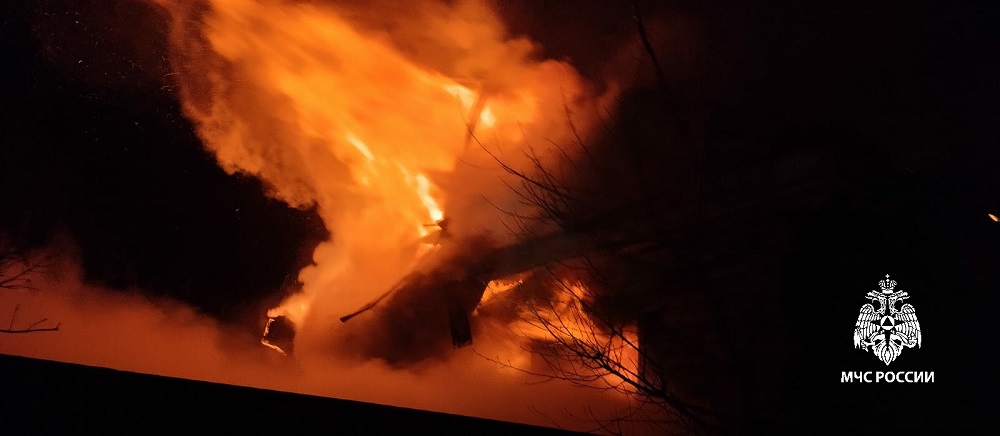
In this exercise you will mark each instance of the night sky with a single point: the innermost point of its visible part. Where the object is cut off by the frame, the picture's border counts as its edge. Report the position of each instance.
(98, 149)
(905, 99)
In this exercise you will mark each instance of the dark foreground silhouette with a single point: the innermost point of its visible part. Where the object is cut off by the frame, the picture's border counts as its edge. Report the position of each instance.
(44, 397)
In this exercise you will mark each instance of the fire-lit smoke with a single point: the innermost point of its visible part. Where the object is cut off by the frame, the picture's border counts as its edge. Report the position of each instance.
(133, 332)
(391, 119)
(387, 118)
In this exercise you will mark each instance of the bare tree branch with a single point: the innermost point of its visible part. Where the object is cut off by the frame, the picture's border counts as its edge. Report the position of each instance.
(647, 45)
(16, 269)
(29, 329)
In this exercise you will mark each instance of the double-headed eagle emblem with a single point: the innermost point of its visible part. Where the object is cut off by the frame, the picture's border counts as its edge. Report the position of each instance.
(890, 328)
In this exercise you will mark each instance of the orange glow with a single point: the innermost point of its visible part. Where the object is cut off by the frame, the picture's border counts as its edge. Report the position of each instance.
(496, 288)
(994, 218)
(386, 120)
(331, 114)
(267, 329)
(565, 313)
(463, 94)
(294, 308)
(358, 144)
(566, 321)
(487, 119)
(423, 190)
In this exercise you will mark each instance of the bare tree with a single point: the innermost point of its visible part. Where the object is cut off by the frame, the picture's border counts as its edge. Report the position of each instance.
(583, 309)
(578, 338)
(593, 311)
(608, 249)
(17, 267)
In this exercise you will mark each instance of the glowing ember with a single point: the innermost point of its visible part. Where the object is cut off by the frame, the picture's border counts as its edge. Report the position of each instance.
(994, 218)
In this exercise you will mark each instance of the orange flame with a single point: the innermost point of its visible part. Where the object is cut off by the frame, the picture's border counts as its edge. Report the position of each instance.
(564, 320)
(334, 114)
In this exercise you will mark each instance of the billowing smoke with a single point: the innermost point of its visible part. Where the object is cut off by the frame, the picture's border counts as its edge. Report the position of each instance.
(134, 332)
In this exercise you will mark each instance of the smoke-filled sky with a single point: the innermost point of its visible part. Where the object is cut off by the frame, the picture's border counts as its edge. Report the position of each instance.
(193, 164)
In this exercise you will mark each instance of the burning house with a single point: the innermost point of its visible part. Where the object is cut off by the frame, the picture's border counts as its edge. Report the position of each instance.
(442, 204)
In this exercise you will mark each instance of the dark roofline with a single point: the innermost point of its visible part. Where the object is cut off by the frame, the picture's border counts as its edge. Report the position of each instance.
(47, 397)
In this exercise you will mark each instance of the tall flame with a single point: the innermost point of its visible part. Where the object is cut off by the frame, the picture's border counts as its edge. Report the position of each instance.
(365, 122)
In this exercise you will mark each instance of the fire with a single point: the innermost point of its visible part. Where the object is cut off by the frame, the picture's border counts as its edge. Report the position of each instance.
(268, 344)
(332, 111)
(360, 146)
(384, 130)
(563, 318)
(294, 308)
(497, 288)
(565, 322)
(487, 119)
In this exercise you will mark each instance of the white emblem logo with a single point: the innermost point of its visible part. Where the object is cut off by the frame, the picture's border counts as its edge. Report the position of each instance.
(888, 329)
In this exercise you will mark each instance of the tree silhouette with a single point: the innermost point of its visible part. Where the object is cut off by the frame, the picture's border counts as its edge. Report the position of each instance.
(627, 215)
(17, 266)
